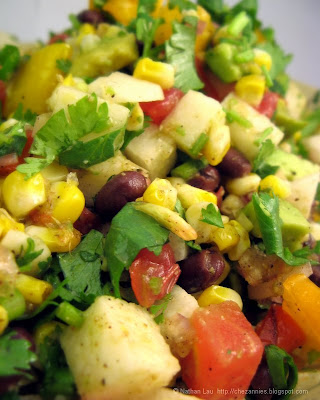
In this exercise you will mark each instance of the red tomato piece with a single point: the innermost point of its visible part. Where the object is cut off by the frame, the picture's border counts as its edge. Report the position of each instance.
(8, 164)
(280, 329)
(225, 354)
(268, 104)
(40, 217)
(59, 37)
(152, 277)
(159, 110)
(87, 221)
(213, 86)
(3, 93)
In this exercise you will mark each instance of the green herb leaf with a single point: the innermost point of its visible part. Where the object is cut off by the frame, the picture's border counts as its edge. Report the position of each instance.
(158, 309)
(182, 5)
(13, 140)
(76, 24)
(82, 267)
(130, 232)
(29, 255)
(263, 136)
(9, 61)
(280, 59)
(15, 355)
(99, 3)
(313, 355)
(146, 6)
(28, 117)
(193, 245)
(283, 370)
(215, 7)
(179, 209)
(146, 28)
(233, 116)
(212, 216)
(180, 53)
(260, 166)
(64, 65)
(199, 144)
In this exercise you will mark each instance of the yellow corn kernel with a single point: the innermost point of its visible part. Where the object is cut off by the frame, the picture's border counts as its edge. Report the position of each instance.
(162, 193)
(85, 29)
(155, 71)
(251, 88)
(123, 11)
(297, 136)
(218, 294)
(261, 58)
(278, 186)
(231, 205)
(204, 21)
(243, 185)
(55, 172)
(77, 83)
(34, 290)
(226, 237)
(244, 242)
(189, 195)
(7, 223)
(68, 201)
(164, 31)
(136, 118)
(21, 196)
(45, 330)
(4, 319)
(59, 240)
(217, 145)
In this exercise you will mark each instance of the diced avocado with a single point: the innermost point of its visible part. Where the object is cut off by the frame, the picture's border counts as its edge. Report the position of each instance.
(286, 121)
(113, 53)
(294, 224)
(291, 166)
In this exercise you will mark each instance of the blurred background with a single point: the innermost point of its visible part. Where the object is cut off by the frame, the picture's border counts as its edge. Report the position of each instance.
(295, 22)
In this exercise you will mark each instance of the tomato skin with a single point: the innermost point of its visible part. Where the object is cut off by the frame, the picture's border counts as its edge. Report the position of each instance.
(59, 37)
(148, 266)
(280, 329)
(159, 110)
(3, 93)
(225, 354)
(268, 104)
(87, 221)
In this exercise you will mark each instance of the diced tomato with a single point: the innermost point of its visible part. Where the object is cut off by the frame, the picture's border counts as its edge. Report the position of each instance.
(213, 86)
(27, 147)
(225, 354)
(268, 104)
(152, 277)
(3, 93)
(280, 329)
(158, 110)
(87, 221)
(59, 37)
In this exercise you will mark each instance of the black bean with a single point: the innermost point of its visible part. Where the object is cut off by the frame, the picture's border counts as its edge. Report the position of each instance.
(200, 270)
(118, 191)
(315, 277)
(262, 382)
(208, 179)
(234, 164)
(93, 17)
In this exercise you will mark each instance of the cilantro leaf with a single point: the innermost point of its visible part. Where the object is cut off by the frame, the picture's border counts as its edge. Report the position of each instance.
(99, 3)
(146, 6)
(260, 166)
(28, 117)
(13, 140)
(9, 61)
(146, 28)
(130, 232)
(182, 5)
(180, 53)
(280, 59)
(64, 65)
(215, 7)
(82, 267)
(130, 135)
(29, 255)
(158, 309)
(212, 216)
(15, 355)
(193, 245)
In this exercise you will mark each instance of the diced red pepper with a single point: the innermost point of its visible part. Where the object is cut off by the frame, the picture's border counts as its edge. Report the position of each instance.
(268, 104)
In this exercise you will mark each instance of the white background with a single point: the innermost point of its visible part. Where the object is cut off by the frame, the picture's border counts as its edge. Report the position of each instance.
(296, 23)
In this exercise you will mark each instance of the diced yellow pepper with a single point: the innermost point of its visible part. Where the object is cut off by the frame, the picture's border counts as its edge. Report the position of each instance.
(164, 31)
(189, 195)
(244, 242)
(4, 320)
(155, 71)
(278, 186)
(68, 201)
(36, 79)
(251, 89)
(34, 290)
(21, 196)
(301, 300)
(7, 223)
(162, 193)
(243, 185)
(218, 294)
(225, 238)
(261, 58)
(59, 240)
(206, 28)
(45, 330)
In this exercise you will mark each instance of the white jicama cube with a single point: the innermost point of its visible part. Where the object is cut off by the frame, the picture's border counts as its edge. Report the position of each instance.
(118, 352)
(192, 118)
(153, 151)
(246, 139)
(122, 88)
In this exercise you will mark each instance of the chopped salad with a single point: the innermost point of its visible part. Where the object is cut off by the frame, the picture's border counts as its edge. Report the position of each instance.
(159, 209)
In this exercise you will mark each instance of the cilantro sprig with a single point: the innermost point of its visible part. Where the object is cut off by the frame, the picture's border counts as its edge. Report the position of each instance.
(158, 309)
(260, 165)
(212, 216)
(9, 61)
(13, 140)
(28, 255)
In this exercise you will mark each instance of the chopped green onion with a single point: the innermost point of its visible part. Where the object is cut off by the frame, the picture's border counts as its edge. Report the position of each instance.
(244, 57)
(14, 304)
(199, 144)
(188, 169)
(233, 116)
(69, 314)
(263, 136)
(238, 24)
(266, 74)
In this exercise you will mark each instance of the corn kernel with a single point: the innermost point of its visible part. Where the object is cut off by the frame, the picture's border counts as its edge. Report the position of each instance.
(261, 58)
(244, 221)
(218, 294)
(244, 242)
(156, 72)
(4, 320)
(251, 88)
(85, 29)
(7, 223)
(189, 195)
(217, 145)
(21, 196)
(231, 205)
(203, 38)
(68, 201)
(194, 217)
(162, 193)
(244, 185)
(278, 186)
(34, 290)
(45, 330)
(226, 237)
(164, 31)
(136, 119)
(59, 240)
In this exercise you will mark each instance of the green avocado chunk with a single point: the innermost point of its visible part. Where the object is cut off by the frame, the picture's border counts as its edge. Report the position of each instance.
(294, 225)
(284, 120)
(112, 54)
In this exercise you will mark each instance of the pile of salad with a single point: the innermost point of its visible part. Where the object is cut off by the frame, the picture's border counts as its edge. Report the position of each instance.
(159, 209)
